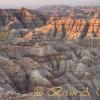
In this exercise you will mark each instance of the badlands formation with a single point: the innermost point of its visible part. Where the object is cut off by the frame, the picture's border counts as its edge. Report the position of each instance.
(49, 54)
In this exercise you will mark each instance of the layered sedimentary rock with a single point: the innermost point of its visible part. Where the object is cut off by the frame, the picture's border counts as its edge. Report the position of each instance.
(71, 28)
(55, 64)
(43, 57)
(20, 18)
(29, 19)
(94, 28)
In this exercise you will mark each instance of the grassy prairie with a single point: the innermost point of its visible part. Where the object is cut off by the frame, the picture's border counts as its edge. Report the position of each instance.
(3, 35)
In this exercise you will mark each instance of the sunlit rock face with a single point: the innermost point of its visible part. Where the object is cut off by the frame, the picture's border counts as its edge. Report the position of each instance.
(94, 26)
(75, 27)
(72, 28)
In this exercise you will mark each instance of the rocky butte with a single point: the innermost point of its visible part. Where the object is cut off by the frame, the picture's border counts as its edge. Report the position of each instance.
(72, 28)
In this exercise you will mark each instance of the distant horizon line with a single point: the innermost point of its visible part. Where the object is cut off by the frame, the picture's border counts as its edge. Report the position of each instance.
(48, 5)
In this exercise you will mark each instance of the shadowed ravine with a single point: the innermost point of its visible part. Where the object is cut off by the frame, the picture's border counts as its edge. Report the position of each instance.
(22, 68)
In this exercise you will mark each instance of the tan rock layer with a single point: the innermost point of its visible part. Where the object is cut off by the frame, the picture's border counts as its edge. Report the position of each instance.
(73, 27)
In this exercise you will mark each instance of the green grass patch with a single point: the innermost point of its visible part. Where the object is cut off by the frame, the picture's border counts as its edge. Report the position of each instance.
(3, 35)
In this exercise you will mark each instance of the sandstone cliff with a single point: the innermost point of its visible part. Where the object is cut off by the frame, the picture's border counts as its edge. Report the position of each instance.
(71, 28)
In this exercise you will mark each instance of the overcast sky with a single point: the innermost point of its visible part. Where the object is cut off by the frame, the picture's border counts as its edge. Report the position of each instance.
(39, 3)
